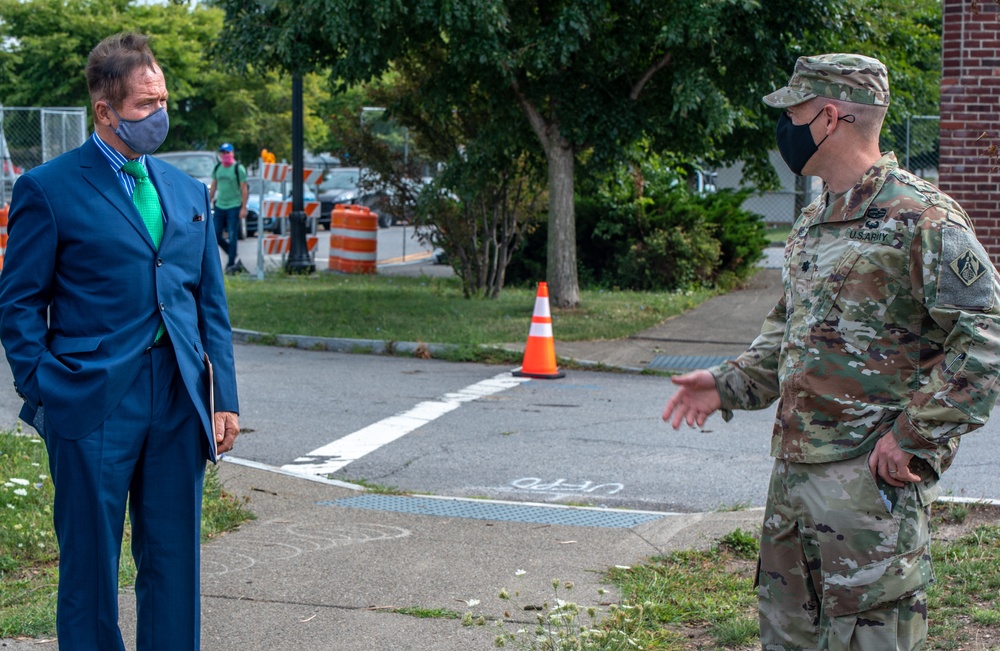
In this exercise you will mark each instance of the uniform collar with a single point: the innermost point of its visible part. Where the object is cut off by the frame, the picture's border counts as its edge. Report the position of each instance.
(854, 203)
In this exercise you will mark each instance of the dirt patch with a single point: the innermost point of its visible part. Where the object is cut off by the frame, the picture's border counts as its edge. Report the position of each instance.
(953, 520)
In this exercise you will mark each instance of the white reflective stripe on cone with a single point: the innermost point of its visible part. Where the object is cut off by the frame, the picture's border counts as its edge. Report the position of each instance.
(542, 306)
(540, 330)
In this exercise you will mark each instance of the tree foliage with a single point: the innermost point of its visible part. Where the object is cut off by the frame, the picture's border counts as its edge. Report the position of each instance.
(486, 192)
(905, 35)
(47, 43)
(590, 78)
(587, 76)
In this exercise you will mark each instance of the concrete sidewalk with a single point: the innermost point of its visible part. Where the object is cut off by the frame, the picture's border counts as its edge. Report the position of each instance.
(327, 566)
(721, 327)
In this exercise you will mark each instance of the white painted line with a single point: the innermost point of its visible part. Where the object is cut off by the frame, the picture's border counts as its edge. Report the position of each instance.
(337, 454)
(279, 471)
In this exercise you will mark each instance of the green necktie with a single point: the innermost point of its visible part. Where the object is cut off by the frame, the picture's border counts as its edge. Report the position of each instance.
(148, 202)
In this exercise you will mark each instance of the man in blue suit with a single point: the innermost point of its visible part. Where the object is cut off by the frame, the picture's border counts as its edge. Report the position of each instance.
(113, 317)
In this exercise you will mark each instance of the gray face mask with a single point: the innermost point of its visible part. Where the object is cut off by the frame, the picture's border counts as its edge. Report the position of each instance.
(145, 135)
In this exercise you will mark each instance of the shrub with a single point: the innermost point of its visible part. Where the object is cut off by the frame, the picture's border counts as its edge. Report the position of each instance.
(669, 239)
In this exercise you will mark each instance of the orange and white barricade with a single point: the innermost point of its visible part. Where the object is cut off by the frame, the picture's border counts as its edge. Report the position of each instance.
(282, 244)
(274, 171)
(3, 233)
(311, 176)
(353, 239)
(283, 209)
(281, 172)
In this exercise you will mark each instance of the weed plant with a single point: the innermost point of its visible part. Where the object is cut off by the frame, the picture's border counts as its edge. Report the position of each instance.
(704, 599)
(29, 554)
(564, 625)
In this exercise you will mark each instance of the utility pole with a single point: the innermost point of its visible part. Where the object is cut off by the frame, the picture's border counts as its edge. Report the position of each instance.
(299, 261)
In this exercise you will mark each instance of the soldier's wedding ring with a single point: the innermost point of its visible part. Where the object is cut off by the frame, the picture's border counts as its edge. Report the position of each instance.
(893, 472)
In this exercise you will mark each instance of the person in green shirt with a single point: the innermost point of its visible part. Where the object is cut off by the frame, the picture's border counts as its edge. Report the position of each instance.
(228, 194)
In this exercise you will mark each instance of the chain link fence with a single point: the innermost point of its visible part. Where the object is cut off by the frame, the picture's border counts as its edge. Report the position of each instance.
(915, 142)
(32, 136)
(780, 206)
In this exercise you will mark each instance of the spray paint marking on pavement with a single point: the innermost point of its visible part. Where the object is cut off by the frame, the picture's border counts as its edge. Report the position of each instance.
(334, 456)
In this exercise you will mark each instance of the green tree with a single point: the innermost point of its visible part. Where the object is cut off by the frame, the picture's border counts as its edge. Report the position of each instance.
(584, 76)
(485, 195)
(46, 46)
(906, 36)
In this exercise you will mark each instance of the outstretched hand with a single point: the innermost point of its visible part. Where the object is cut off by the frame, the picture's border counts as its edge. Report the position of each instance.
(695, 400)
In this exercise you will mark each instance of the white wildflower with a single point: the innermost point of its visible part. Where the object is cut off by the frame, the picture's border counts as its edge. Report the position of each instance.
(20, 491)
(19, 482)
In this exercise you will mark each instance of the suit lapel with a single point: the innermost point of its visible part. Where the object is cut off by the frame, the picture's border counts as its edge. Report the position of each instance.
(96, 170)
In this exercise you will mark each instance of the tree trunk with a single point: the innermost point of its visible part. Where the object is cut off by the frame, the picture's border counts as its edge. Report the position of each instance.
(564, 285)
(561, 273)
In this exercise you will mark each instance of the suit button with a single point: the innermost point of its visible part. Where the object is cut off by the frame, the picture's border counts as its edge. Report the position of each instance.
(162, 307)
(159, 262)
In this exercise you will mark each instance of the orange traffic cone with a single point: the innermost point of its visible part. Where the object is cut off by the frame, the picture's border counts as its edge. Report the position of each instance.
(540, 353)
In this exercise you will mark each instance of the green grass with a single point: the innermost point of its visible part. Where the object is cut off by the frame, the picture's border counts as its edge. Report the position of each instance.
(778, 234)
(704, 599)
(433, 310)
(29, 555)
(962, 604)
(375, 488)
(426, 613)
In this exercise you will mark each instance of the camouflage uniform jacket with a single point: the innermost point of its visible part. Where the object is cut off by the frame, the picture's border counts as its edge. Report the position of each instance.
(889, 320)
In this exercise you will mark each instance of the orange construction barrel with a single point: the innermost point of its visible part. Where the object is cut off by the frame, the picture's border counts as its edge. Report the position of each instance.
(353, 239)
(3, 232)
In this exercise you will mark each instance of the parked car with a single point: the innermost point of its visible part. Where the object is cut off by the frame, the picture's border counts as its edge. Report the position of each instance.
(198, 164)
(259, 190)
(343, 185)
(201, 164)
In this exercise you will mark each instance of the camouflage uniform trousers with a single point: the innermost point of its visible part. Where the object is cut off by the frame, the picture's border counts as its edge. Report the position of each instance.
(839, 569)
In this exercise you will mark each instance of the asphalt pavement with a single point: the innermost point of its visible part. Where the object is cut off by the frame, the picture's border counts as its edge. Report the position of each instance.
(328, 566)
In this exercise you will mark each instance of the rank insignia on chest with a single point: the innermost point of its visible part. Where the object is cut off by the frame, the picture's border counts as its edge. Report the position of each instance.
(968, 267)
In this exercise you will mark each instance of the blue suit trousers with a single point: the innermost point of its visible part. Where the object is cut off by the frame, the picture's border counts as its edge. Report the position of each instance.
(149, 455)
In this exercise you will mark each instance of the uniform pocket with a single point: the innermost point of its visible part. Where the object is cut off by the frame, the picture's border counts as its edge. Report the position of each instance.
(870, 586)
(855, 304)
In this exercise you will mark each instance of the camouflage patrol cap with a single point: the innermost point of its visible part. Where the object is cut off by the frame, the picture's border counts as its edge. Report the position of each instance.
(847, 77)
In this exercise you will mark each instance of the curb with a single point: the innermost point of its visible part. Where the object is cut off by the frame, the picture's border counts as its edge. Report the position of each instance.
(384, 347)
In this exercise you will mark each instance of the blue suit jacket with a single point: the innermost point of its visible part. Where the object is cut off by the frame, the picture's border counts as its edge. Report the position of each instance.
(83, 291)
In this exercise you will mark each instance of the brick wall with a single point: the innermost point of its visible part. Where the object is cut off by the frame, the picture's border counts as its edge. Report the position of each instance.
(970, 106)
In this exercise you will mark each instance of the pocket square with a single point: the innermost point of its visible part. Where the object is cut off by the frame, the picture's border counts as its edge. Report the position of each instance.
(200, 217)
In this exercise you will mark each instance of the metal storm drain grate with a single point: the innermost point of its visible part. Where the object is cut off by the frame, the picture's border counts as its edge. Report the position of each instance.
(478, 510)
(679, 362)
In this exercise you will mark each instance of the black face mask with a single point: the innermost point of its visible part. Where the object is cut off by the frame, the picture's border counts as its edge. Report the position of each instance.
(795, 141)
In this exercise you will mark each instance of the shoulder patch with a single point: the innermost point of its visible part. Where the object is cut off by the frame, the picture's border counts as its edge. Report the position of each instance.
(966, 278)
(968, 267)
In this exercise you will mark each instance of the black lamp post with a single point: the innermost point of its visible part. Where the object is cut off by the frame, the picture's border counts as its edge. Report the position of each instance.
(299, 261)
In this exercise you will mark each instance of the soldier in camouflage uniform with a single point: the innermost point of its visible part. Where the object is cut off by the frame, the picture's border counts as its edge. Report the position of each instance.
(881, 352)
